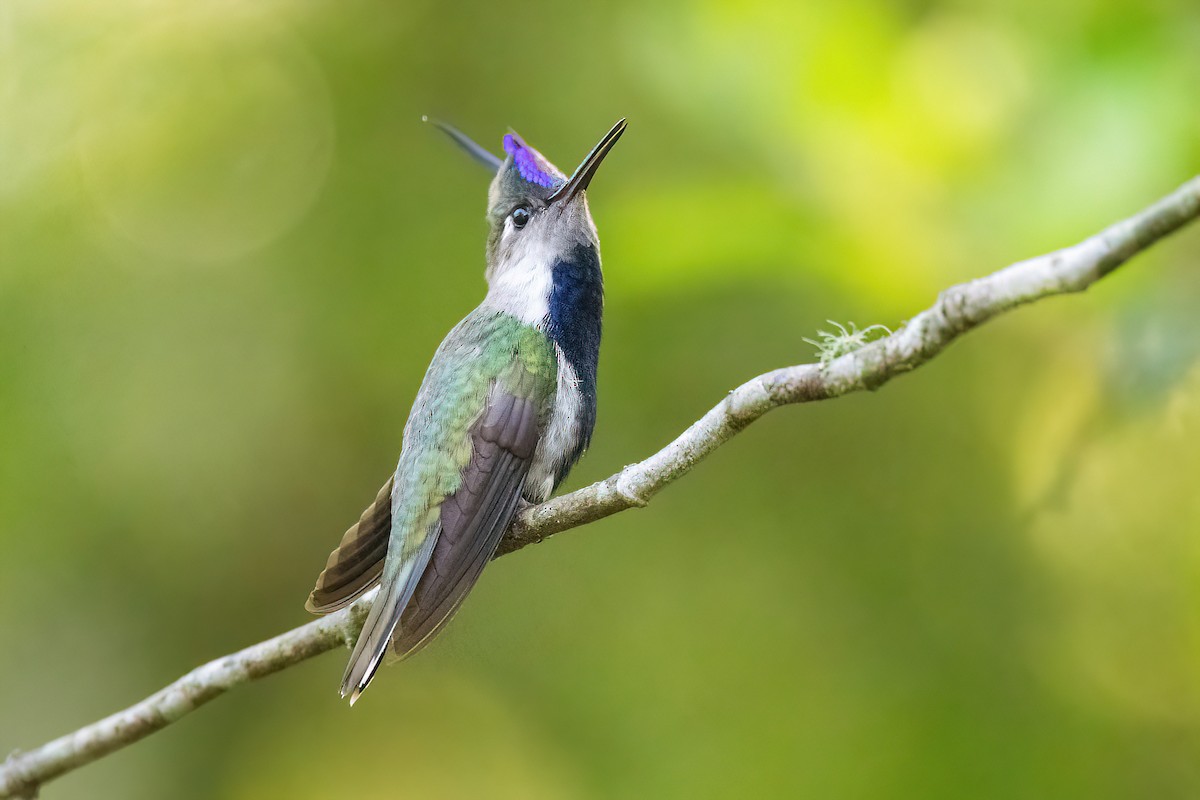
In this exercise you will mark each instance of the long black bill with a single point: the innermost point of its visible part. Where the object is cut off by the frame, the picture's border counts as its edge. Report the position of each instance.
(471, 147)
(584, 172)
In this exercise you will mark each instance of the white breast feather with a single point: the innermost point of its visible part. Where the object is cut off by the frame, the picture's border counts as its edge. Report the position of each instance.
(561, 436)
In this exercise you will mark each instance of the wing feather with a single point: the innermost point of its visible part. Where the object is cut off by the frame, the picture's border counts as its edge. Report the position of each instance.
(355, 566)
(470, 524)
(458, 482)
(468, 539)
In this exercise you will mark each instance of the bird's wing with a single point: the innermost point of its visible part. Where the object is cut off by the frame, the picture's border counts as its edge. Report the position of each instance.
(355, 566)
(476, 516)
(459, 479)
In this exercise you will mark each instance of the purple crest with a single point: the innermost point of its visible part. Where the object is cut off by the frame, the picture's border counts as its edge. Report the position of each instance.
(526, 162)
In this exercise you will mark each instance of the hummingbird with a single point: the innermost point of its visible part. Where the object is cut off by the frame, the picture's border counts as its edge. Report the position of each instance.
(506, 409)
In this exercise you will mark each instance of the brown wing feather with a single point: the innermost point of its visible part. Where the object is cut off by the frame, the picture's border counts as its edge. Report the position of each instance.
(355, 565)
(474, 518)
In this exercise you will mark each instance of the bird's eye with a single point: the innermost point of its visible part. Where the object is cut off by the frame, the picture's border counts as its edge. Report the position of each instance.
(520, 217)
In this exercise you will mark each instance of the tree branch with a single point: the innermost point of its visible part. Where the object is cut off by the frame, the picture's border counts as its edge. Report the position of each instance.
(957, 310)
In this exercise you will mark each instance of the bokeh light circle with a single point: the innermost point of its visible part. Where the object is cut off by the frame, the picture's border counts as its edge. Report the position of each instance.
(207, 134)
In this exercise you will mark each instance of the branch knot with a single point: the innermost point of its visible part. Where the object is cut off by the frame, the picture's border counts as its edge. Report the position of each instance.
(627, 493)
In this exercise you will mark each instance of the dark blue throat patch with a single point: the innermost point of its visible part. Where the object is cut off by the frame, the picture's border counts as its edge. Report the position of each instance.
(576, 308)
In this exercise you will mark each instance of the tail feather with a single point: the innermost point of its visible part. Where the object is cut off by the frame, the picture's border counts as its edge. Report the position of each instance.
(354, 567)
(381, 622)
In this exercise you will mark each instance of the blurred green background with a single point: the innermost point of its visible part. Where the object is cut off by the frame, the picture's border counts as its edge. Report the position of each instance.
(228, 248)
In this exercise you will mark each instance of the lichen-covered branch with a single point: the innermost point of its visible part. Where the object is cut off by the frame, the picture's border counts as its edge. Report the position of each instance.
(957, 310)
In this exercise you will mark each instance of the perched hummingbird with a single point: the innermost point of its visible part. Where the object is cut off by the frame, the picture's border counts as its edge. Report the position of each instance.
(506, 408)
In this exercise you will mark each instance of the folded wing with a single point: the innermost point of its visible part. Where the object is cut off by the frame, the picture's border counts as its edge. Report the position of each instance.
(431, 584)
(475, 517)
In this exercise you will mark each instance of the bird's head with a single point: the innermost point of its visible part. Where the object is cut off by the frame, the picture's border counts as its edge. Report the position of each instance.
(537, 216)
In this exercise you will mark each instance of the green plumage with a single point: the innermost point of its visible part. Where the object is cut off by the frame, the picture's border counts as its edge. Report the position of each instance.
(468, 444)
(485, 348)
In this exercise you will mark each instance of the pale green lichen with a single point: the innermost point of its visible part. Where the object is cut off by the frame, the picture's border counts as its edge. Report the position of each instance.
(835, 344)
(356, 619)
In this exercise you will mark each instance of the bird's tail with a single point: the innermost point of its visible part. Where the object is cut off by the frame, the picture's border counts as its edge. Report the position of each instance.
(381, 622)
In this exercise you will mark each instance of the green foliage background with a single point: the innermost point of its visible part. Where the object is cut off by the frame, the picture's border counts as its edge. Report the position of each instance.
(228, 248)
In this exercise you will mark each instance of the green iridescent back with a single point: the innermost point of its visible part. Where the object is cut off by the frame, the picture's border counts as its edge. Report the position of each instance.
(486, 347)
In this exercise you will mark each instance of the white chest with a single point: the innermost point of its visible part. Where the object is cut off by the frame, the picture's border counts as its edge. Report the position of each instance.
(560, 441)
